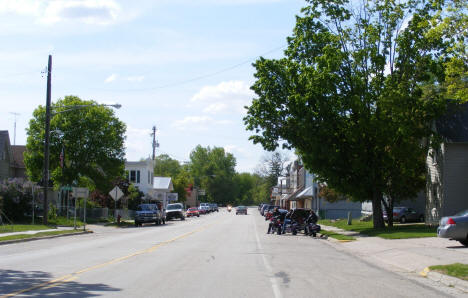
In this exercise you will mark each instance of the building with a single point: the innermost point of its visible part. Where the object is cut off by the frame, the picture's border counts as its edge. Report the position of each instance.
(141, 174)
(447, 166)
(6, 157)
(11, 158)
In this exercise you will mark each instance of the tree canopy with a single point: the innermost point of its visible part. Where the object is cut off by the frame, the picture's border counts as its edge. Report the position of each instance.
(349, 95)
(91, 138)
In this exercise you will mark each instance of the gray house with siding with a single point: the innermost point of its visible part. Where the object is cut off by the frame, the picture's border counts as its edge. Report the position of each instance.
(447, 179)
(6, 157)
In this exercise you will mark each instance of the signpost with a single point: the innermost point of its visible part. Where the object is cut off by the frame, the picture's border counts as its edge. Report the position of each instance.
(116, 193)
(80, 192)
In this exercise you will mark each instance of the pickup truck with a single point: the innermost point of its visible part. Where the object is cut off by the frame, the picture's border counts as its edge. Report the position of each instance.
(148, 213)
(175, 210)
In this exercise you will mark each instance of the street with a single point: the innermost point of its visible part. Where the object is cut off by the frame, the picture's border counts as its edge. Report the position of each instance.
(216, 255)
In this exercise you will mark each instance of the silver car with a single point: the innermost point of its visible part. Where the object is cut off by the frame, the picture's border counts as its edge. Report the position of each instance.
(454, 227)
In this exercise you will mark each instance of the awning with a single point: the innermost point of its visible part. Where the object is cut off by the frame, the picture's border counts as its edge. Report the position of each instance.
(306, 193)
(293, 196)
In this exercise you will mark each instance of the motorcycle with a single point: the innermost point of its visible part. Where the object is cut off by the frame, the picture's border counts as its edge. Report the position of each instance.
(229, 208)
(312, 229)
(275, 225)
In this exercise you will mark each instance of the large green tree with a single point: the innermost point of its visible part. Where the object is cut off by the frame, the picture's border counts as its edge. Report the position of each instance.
(348, 95)
(213, 169)
(91, 137)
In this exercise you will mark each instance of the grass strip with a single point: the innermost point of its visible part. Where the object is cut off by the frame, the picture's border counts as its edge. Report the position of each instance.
(337, 236)
(398, 231)
(38, 235)
(457, 270)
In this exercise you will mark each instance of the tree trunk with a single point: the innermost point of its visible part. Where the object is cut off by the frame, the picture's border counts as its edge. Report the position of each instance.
(377, 210)
(389, 209)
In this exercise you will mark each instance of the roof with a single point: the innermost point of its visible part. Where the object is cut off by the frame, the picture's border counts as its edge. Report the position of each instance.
(306, 193)
(18, 158)
(163, 183)
(453, 126)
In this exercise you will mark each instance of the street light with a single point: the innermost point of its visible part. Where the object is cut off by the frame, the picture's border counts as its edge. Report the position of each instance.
(49, 114)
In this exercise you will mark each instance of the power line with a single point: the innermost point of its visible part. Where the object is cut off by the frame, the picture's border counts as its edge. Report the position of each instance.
(174, 84)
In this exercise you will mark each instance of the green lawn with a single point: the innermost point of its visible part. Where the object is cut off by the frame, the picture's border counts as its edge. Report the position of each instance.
(456, 270)
(336, 235)
(398, 231)
(38, 235)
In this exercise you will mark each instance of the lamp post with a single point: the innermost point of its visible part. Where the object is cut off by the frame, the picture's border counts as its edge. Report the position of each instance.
(50, 114)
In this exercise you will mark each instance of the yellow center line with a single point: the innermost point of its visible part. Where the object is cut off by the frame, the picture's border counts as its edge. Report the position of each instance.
(74, 275)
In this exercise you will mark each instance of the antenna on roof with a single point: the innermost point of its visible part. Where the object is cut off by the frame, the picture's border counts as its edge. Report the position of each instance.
(14, 135)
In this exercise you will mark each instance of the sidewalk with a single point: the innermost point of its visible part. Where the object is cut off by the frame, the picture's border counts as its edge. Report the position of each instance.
(35, 232)
(408, 255)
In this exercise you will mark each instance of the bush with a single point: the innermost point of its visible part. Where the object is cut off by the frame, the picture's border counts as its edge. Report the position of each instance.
(16, 198)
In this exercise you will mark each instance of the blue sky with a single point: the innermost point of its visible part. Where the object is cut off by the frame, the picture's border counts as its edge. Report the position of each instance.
(169, 63)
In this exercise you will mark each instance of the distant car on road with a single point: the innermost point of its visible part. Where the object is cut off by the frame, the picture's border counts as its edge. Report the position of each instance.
(454, 227)
(405, 214)
(175, 210)
(147, 213)
(192, 212)
(241, 210)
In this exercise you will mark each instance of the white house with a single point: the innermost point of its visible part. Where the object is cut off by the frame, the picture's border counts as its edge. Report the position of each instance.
(141, 174)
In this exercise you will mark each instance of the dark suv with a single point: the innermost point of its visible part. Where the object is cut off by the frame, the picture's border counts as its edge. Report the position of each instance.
(148, 213)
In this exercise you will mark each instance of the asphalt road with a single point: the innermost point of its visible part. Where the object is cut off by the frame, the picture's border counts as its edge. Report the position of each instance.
(216, 255)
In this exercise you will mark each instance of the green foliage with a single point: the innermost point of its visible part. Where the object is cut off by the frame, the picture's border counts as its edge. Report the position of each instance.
(17, 199)
(165, 166)
(348, 96)
(52, 213)
(214, 170)
(92, 139)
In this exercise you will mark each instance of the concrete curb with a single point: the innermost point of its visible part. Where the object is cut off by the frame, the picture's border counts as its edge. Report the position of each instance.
(449, 281)
(44, 237)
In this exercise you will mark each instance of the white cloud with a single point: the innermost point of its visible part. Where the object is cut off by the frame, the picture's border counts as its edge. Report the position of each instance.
(137, 143)
(226, 96)
(111, 78)
(95, 12)
(198, 123)
(135, 78)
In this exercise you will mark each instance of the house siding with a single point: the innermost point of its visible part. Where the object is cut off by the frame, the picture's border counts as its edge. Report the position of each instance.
(434, 191)
(455, 179)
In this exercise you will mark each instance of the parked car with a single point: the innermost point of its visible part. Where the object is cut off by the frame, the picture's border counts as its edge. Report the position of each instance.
(192, 212)
(264, 207)
(454, 227)
(405, 214)
(175, 210)
(148, 213)
(206, 206)
(241, 210)
(215, 207)
(201, 210)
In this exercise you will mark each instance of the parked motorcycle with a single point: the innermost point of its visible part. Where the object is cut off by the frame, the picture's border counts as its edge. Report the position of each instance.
(312, 229)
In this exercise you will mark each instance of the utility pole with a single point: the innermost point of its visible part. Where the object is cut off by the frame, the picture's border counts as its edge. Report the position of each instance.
(46, 142)
(155, 143)
(14, 138)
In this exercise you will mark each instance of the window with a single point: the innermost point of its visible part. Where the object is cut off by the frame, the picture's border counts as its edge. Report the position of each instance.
(149, 177)
(132, 176)
(137, 176)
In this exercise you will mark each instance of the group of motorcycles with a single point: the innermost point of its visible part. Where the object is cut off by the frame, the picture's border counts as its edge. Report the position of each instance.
(294, 221)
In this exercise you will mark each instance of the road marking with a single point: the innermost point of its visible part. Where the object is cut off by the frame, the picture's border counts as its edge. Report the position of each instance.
(273, 280)
(69, 277)
(425, 272)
